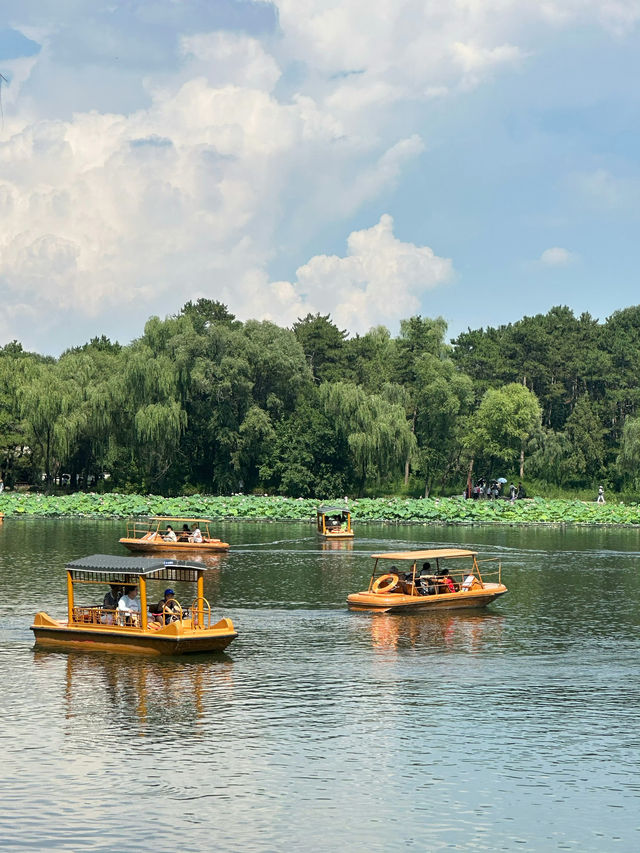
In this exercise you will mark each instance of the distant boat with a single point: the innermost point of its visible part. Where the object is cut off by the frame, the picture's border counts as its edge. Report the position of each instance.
(334, 522)
(151, 536)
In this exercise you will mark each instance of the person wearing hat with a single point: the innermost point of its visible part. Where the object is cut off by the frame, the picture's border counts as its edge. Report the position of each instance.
(163, 610)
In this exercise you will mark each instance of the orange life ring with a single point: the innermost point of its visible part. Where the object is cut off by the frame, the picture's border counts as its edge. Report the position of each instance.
(385, 583)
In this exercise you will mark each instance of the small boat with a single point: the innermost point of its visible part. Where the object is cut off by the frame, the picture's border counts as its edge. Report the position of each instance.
(153, 536)
(334, 522)
(425, 583)
(175, 630)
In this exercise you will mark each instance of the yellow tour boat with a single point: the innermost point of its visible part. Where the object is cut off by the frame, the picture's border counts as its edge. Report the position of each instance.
(441, 578)
(334, 522)
(173, 629)
(166, 534)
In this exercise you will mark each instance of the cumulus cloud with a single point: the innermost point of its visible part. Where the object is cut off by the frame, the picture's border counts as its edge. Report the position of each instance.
(380, 280)
(556, 257)
(223, 149)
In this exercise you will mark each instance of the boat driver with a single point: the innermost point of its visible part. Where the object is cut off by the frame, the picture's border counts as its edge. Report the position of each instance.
(163, 610)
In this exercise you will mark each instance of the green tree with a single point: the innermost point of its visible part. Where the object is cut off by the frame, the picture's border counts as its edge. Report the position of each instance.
(505, 420)
(550, 457)
(628, 459)
(586, 434)
(377, 432)
(324, 347)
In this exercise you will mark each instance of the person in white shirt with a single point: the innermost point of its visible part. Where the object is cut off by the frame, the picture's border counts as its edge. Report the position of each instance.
(196, 535)
(170, 535)
(129, 607)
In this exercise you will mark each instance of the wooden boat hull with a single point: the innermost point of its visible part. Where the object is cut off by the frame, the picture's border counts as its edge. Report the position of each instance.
(444, 601)
(347, 534)
(151, 546)
(174, 639)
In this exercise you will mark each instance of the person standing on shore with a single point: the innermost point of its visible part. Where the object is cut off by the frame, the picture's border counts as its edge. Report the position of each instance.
(601, 495)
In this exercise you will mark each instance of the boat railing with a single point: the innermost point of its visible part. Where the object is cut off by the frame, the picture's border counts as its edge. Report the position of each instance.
(92, 615)
(97, 615)
(495, 574)
(200, 614)
(141, 530)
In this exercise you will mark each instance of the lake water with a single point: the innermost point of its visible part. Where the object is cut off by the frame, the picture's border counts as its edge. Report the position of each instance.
(321, 729)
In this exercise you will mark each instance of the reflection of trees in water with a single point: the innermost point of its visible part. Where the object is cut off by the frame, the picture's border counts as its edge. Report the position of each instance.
(450, 631)
(149, 690)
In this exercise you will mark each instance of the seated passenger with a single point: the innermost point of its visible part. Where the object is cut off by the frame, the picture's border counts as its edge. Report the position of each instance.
(129, 607)
(424, 581)
(196, 535)
(449, 583)
(184, 533)
(170, 535)
(110, 603)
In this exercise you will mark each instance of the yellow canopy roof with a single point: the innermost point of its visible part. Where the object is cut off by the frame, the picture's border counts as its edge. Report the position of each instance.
(179, 519)
(434, 554)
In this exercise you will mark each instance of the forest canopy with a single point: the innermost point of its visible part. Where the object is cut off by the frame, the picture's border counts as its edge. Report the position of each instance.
(204, 403)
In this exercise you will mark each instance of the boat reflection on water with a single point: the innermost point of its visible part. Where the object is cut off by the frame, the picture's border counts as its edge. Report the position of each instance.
(464, 632)
(151, 690)
(336, 545)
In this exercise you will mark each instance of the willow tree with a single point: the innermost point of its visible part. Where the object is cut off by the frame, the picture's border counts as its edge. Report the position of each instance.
(443, 396)
(149, 392)
(628, 460)
(14, 443)
(415, 359)
(50, 408)
(377, 431)
(504, 421)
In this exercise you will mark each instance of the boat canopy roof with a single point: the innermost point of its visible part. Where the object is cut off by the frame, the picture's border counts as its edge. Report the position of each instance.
(329, 510)
(433, 554)
(106, 567)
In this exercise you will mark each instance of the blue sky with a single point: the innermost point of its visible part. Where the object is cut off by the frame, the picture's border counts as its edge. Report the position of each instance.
(373, 160)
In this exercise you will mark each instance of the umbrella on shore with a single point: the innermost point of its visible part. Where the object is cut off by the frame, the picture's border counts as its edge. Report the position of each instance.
(501, 480)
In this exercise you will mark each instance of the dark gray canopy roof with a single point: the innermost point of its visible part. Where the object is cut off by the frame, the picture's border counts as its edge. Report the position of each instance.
(104, 566)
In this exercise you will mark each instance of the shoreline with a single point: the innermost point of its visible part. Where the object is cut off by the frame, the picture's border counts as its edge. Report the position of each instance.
(449, 511)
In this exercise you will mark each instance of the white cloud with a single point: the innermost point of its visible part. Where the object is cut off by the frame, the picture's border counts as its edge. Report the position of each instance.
(380, 281)
(602, 189)
(227, 58)
(240, 151)
(556, 257)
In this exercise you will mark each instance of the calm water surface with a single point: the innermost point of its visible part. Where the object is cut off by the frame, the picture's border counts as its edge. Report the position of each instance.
(320, 729)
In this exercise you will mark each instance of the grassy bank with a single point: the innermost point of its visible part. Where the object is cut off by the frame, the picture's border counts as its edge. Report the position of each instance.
(442, 510)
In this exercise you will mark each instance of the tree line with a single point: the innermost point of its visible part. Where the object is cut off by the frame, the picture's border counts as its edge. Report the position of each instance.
(204, 403)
